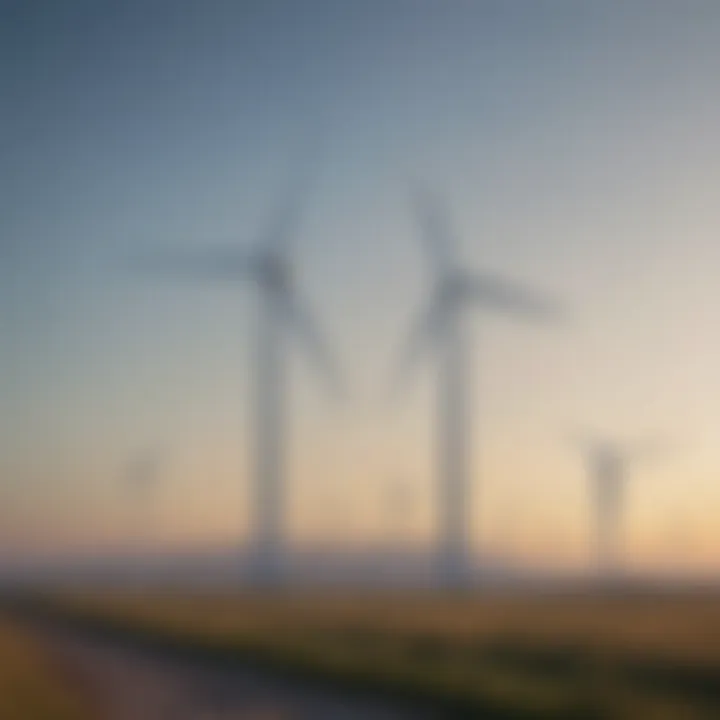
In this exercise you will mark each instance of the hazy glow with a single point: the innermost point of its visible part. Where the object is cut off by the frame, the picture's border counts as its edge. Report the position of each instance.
(578, 148)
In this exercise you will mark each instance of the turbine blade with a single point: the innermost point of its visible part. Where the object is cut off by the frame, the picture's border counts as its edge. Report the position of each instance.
(435, 231)
(227, 263)
(298, 319)
(649, 448)
(422, 336)
(505, 296)
(284, 219)
(584, 439)
(282, 223)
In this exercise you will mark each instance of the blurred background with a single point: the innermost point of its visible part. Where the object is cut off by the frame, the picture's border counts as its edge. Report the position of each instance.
(575, 148)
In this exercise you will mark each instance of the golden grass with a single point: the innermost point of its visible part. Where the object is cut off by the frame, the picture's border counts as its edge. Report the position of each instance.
(654, 657)
(685, 630)
(30, 687)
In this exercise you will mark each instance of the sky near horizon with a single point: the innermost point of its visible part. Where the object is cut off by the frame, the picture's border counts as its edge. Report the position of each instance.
(576, 146)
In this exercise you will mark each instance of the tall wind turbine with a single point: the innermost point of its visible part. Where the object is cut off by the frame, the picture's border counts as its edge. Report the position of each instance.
(441, 325)
(607, 464)
(281, 310)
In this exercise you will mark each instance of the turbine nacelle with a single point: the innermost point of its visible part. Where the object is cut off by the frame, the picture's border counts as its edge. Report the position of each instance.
(451, 291)
(608, 458)
(608, 462)
(273, 271)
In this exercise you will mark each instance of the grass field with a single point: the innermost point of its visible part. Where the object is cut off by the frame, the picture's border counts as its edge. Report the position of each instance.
(31, 687)
(561, 656)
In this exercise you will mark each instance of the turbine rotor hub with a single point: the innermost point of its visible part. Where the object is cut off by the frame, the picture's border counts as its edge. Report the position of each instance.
(274, 271)
(609, 462)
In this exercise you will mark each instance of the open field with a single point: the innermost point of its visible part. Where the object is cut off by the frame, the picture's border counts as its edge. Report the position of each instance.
(32, 686)
(511, 656)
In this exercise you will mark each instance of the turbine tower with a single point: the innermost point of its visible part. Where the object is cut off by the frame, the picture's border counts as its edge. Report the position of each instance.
(607, 464)
(281, 310)
(441, 324)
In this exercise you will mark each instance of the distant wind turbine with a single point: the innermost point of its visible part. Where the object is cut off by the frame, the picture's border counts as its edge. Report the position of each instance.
(142, 471)
(141, 476)
(607, 464)
(268, 264)
(440, 325)
(400, 505)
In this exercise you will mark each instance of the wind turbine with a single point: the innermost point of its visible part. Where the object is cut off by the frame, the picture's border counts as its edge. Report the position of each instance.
(607, 463)
(269, 266)
(441, 326)
(400, 505)
(142, 475)
(142, 471)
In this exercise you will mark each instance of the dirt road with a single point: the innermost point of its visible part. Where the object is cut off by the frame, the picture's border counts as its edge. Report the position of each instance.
(127, 684)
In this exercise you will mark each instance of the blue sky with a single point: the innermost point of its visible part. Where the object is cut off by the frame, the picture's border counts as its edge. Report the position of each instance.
(576, 145)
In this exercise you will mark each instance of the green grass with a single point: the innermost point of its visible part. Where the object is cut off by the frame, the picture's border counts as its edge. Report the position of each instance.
(31, 687)
(512, 657)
